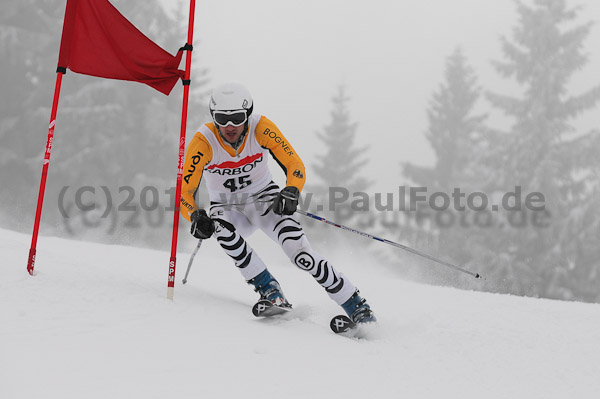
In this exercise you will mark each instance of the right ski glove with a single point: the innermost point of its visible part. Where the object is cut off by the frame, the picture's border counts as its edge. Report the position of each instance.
(286, 201)
(202, 225)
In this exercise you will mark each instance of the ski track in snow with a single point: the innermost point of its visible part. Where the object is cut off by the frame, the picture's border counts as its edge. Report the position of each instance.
(94, 322)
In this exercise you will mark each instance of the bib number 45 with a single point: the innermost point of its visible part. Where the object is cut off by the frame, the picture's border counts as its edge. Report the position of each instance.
(235, 184)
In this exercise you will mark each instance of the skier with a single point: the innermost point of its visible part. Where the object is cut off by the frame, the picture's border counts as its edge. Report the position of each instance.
(231, 152)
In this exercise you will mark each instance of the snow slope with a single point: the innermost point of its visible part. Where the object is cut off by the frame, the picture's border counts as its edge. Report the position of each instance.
(95, 323)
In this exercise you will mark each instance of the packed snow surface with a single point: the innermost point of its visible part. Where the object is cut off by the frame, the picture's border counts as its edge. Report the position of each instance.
(94, 322)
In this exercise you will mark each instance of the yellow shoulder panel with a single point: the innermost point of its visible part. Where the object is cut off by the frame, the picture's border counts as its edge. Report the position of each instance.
(198, 155)
(269, 136)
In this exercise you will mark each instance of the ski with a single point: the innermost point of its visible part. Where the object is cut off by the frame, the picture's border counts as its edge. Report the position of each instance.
(266, 308)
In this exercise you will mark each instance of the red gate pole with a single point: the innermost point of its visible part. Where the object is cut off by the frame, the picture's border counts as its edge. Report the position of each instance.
(184, 112)
(38, 213)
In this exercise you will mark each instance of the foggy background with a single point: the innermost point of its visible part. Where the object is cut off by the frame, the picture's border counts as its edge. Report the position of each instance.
(372, 96)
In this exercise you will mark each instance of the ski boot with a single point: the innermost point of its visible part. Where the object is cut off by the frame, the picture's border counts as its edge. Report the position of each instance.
(269, 289)
(358, 310)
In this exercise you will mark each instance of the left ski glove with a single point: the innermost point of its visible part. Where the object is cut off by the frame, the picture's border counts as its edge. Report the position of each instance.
(202, 225)
(286, 201)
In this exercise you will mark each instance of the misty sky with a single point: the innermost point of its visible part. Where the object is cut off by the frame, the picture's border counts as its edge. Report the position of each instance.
(389, 54)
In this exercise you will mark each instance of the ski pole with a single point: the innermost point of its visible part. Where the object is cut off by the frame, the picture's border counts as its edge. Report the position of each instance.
(414, 251)
(191, 261)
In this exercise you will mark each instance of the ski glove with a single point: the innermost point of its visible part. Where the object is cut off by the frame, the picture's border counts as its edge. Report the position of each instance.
(286, 201)
(202, 225)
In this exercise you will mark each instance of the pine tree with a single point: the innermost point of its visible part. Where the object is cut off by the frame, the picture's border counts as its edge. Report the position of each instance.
(341, 165)
(455, 133)
(27, 32)
(542, 152)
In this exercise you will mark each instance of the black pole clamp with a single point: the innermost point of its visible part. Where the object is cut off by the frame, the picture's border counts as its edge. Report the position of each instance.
(187, 47)
(62, 70)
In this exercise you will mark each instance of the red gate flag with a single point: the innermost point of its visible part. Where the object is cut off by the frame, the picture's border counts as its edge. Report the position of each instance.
(98, 40)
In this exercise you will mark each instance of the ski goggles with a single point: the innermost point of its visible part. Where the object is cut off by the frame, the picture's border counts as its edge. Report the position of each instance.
(235, 118)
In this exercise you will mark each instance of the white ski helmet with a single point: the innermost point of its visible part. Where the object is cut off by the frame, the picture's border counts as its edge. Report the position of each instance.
(230, 97)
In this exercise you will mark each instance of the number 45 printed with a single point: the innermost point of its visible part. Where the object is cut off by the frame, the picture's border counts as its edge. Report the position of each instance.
(235, 184)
